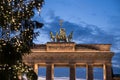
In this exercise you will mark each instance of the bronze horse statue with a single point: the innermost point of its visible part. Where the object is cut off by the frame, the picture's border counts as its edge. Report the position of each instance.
(70, 36)
(52, 37)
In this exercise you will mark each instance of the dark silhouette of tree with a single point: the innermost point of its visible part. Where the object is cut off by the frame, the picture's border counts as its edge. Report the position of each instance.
(16, 34)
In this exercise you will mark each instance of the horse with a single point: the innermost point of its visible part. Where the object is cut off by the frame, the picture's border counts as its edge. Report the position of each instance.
(52, 37)
(70, 36)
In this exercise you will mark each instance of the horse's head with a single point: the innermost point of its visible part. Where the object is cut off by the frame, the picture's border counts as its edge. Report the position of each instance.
(51, 33)
(72, 33)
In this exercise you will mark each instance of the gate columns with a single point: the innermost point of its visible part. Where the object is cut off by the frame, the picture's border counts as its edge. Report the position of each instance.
(49, 71)
(36, 68)
(72, 71)
(107, 71)
(89, 71)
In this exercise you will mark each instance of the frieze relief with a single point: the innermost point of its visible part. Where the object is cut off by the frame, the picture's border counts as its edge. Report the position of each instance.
(70, 56)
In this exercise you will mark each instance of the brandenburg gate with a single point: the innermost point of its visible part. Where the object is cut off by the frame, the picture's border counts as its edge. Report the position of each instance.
(69, 54)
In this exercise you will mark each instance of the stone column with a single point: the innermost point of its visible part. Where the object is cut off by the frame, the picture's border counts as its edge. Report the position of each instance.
(72, 71)
(49, 71)
(89, 72)
(107, 72)
(36, 68)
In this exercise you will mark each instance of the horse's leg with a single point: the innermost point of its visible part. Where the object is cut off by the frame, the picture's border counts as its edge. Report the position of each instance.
(56, 40)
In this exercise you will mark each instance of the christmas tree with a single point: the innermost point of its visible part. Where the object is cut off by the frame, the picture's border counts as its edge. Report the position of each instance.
(16, 35)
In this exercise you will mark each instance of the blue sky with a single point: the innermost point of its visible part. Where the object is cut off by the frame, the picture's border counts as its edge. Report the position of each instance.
(93, 21)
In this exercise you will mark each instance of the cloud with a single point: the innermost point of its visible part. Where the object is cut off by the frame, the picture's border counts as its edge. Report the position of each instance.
(42, 38)
(114, 24)
(117, 66)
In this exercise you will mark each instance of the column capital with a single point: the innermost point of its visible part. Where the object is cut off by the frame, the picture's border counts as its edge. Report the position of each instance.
(72, 64)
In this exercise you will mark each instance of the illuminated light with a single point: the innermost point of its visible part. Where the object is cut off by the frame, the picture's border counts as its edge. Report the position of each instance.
(3, 68)
(39, 4)
(9, 67)
(14, 76)
(7, 28)
(4, 44)
(13, 20)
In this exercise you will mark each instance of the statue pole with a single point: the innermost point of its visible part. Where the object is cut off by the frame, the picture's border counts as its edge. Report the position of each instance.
(61, 23)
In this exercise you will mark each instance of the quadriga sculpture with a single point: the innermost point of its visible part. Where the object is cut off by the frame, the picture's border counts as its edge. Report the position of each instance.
(61, 36)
